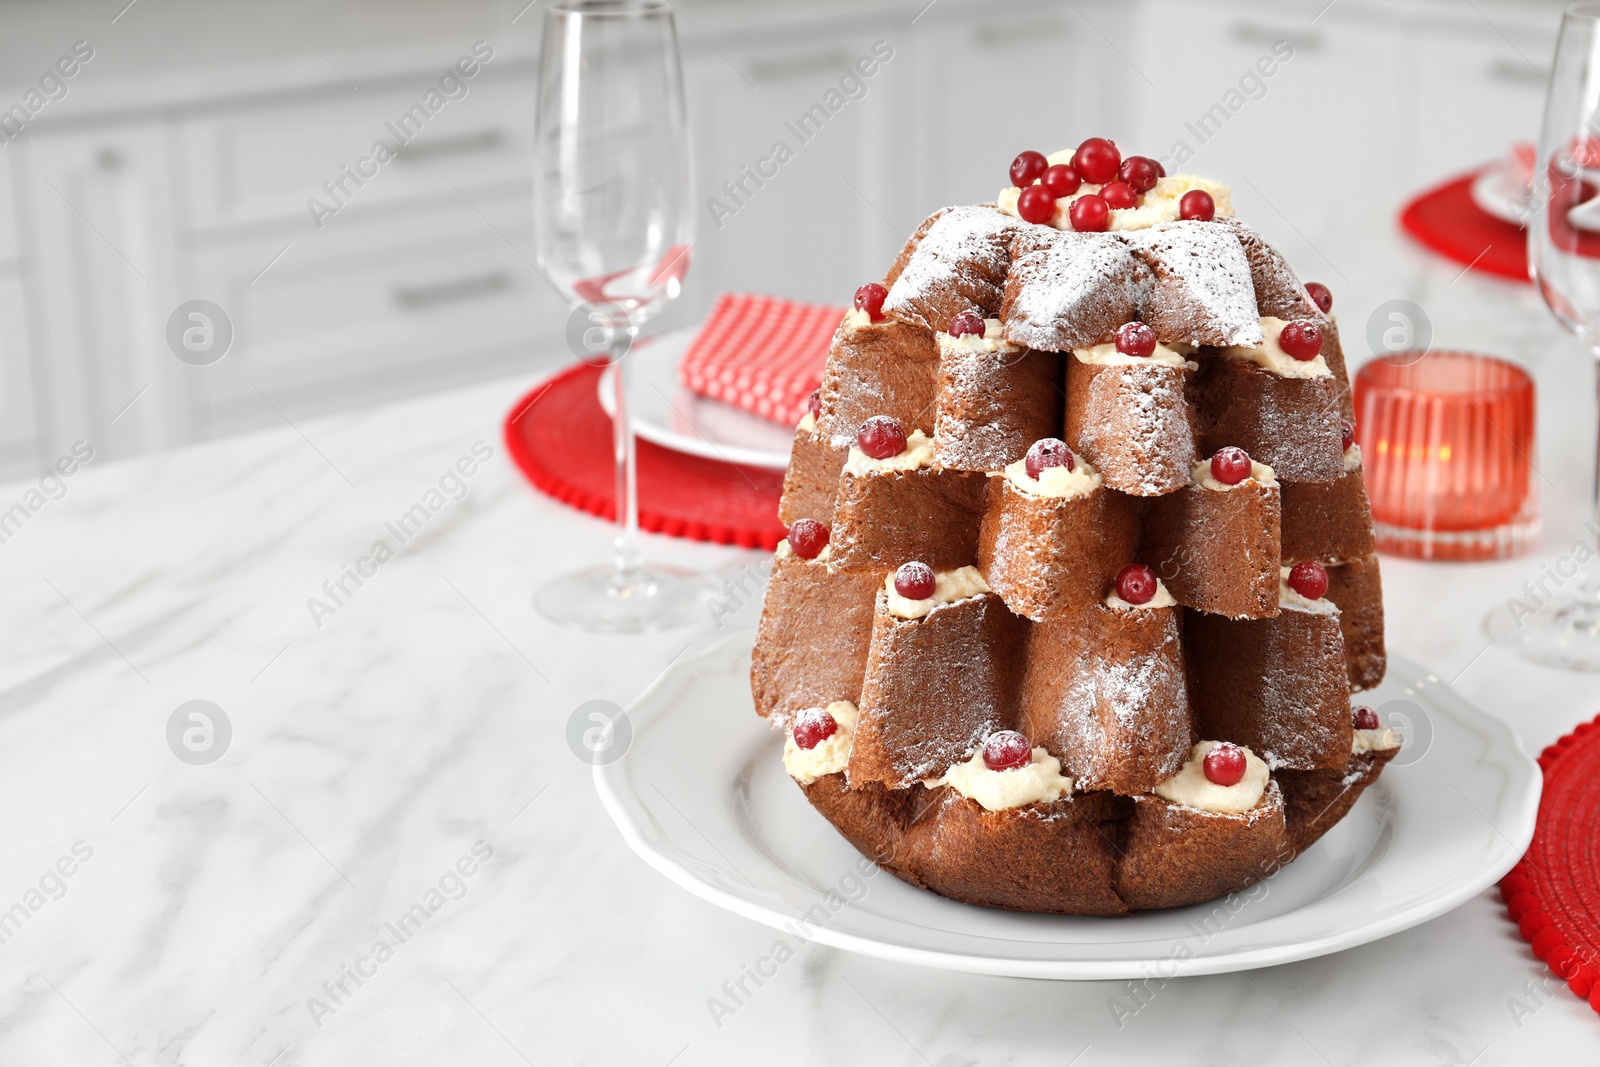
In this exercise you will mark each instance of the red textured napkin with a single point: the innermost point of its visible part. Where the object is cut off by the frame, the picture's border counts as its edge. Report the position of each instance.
(1553, 893)
(560, 439)
(1447, 220)
(763, 354)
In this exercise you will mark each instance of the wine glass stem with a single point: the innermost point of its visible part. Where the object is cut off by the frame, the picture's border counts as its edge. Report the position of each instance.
(626, 458)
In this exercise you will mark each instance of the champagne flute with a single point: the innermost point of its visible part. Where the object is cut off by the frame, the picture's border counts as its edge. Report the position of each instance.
(1564, 256)
(613, 224)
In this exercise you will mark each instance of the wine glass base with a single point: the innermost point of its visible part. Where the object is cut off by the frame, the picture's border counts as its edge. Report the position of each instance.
(648, 598)
(1565, 632)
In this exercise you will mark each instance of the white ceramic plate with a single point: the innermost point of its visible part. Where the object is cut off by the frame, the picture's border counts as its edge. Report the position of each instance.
(671, 416)
(701, 795)
(1500, 192)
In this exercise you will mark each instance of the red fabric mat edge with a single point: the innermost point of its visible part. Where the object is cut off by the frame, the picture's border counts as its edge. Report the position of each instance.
(1456, 195)
(1526, 904)
(651, 521)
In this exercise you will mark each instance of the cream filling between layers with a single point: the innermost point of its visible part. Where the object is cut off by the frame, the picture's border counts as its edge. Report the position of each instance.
(1352, 458)
(855, 318)
(1162, 599)
(1055, 482)
(918, 454)
(786, 551)
(1192, 789)
(1260, 473)
(1158, 205)
(829, 757)
(949, 587)
(1173, 354)
(993, 340)
(1040, 781)
(808, 423)
(1379, 740)
(1288, 598)
(1272, 358)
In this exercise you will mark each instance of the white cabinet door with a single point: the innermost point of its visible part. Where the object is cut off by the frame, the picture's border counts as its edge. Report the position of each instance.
(797, 231)
(18, 445)
(264, 162)
(9, 245)
(355, 315)
(100, 288)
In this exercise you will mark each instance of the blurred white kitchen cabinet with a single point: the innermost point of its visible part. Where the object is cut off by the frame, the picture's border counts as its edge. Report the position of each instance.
(18, 439)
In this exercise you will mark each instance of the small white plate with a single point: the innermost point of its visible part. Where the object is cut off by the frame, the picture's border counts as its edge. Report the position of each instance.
(1499, 191)
(671, 416)
(700, 793)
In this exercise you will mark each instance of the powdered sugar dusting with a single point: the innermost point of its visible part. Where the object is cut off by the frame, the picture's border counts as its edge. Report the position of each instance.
(1074, 291)
(1202, 274)
(964, 242)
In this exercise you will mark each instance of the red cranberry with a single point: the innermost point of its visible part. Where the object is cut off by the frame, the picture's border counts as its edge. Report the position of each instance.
(1141, 172)
(870, 298)
(1136, 584)
(1120, 195)
(1089, 213)
(1230, 465)
(1309, 579)
(1364, 718)
(1160, 170)
(881, 437)
(1061, 180)
(1047, 452)
(1027, 167)
(1006, 750)
(1224, 765)
(1347, 434)
(968, 323)
(1320, 295)
(1036, 204)
(1097, 160)
(915, 581)
(1136, 339)
(814, 403)
(1301, 339)
(812, 727)
(808, 537)
(1197, 205)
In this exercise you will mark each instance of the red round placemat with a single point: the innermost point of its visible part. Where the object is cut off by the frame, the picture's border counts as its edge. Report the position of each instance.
(1553, 893)
(1446, 219)
(560, 438)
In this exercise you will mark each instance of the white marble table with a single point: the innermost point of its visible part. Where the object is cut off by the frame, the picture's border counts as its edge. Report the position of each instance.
(371, 753)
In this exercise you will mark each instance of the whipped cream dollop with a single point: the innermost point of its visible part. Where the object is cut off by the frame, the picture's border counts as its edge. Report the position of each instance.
(1055, 482)
(1352, 458)
(1380, 740)
(1270, 356)
(808, 423)
(806, 765)
(786, 551)
(1040, 781)
(993, 340)
(1158, 205)
(1260, 473)
(1162, 599)
(855, 319)
(1192, 789)
(918, 453)
(949, 587)
(1288, 597)
(1167, 353)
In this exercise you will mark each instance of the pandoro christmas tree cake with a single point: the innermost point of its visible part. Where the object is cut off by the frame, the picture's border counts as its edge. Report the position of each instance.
(1079, 579)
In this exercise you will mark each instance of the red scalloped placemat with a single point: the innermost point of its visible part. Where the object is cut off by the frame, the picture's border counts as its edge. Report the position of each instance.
(1553, 893)
(1446, 219)
(560, 438)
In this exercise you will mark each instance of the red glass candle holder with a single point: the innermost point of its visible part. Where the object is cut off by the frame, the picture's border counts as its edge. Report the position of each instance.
(1447, 444)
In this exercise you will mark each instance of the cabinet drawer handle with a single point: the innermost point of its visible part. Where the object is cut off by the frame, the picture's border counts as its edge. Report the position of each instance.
(1515, 70)
(1267, 36)
(459, 145)
(775, 70)
(412, 297)
(1010, 34)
